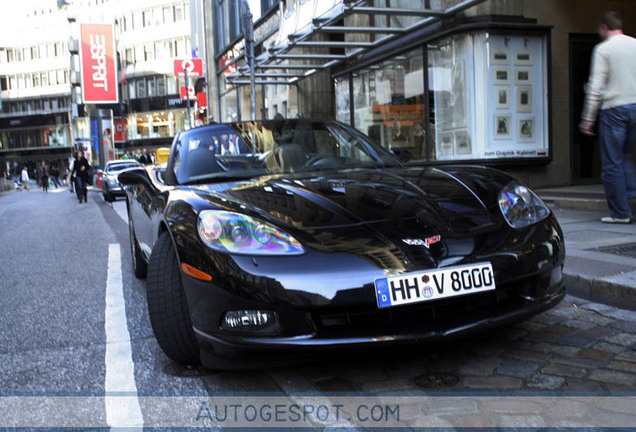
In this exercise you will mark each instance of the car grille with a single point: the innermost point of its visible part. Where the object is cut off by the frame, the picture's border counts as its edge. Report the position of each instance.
(432, 316)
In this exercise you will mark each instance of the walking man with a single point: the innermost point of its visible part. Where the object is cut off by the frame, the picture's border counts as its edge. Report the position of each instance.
(25, 179)
(611, 94)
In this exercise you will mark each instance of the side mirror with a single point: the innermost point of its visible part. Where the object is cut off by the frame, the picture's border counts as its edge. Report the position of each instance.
(403, 155)
(134, 176)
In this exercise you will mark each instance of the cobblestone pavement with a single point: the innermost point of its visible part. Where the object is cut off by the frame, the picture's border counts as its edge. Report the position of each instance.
(579, 346)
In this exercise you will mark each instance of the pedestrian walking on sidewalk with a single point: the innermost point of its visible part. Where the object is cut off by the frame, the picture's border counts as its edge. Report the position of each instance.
(43, 175)
(611, 93)
(25, 179)
(55, 176)
(80, 172)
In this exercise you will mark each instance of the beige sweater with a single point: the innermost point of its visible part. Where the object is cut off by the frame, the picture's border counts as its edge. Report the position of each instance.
(612, 80)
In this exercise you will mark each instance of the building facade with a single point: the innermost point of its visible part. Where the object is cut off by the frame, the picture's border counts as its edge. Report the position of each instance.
(35, 93)
(43, 114)
(494, 82)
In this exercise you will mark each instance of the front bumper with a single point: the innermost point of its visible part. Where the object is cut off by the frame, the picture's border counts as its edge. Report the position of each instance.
(311, 328)
(115, 189)
(325, 302)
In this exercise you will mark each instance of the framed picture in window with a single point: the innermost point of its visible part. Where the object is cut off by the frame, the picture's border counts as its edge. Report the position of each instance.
(523, 76)
(526, 129)
(523, 58)
(502, 97)
(524, 99)
(500, 76)
(446, 147)
(462, 143)
(502, 126)
(499, 57)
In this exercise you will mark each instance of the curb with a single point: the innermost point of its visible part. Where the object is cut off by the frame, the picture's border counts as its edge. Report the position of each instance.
(602, 291)
(576, 203)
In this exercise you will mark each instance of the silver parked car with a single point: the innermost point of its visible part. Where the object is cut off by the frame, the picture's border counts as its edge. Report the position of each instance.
(110, 184)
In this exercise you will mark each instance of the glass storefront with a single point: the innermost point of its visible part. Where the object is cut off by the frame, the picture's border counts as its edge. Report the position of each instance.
(484, 96)
(158, 124)
(388, 101)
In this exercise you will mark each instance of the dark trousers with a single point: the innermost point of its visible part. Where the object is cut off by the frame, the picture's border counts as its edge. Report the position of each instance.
(617, 135)
(80, 188)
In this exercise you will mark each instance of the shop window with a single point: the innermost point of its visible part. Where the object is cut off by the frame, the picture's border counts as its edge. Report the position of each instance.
(389, 102)
(452, 92)
(143, 125)
(343, 106)
(485, 98)
(508, 75)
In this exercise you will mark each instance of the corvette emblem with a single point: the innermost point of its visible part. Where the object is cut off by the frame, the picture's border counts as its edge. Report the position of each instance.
(427, 242)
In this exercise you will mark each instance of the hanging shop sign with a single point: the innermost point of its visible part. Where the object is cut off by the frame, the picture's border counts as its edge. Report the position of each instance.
(99, 69)
(193, 66)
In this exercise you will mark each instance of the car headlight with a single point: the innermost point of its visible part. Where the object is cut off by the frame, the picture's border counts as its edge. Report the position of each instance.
(112, 179)
(238, 233)
(520, 206)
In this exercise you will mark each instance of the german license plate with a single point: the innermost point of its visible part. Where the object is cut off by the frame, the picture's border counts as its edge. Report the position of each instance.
(434, 284)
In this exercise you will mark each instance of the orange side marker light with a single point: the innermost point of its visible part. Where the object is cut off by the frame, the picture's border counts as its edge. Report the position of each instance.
(195, 273)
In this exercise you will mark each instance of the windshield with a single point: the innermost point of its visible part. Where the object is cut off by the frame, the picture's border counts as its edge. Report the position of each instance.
(251, 149)
(118, 167)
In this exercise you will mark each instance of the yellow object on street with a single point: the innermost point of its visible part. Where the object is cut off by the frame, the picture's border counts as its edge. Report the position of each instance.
(162, 155)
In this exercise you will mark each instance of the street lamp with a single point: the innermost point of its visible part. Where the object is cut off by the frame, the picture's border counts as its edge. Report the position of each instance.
(248, 30)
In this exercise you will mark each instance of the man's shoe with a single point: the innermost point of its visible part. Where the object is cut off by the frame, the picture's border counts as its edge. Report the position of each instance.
(613, 220)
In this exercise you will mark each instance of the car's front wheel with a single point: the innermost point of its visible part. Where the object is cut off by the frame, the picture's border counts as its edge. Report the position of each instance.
(108, 197)
(167, 305)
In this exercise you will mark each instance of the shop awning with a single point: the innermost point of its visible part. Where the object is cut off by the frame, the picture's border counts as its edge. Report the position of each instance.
(299, 52)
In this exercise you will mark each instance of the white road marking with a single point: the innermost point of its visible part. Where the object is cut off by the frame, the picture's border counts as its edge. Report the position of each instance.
(122, 404)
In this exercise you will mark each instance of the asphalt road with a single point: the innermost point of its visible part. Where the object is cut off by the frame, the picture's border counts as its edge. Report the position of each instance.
(61, 260)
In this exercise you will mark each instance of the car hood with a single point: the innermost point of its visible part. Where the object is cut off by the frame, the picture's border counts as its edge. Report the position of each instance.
(449, 199)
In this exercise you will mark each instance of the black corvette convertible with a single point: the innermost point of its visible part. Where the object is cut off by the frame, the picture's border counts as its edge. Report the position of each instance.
(289, 236)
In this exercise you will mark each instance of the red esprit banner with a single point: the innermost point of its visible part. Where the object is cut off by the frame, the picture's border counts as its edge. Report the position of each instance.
(99, 69)
(193, 66)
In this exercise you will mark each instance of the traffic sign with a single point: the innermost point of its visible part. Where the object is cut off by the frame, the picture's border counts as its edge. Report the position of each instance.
(191, 93)
(193, 66)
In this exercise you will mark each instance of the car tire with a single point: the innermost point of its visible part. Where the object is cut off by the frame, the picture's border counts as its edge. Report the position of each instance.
(108, 197)
(140, 267)
(167, 305)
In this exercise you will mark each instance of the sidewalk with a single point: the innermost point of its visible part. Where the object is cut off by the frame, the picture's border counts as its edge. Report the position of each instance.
(600, 260)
